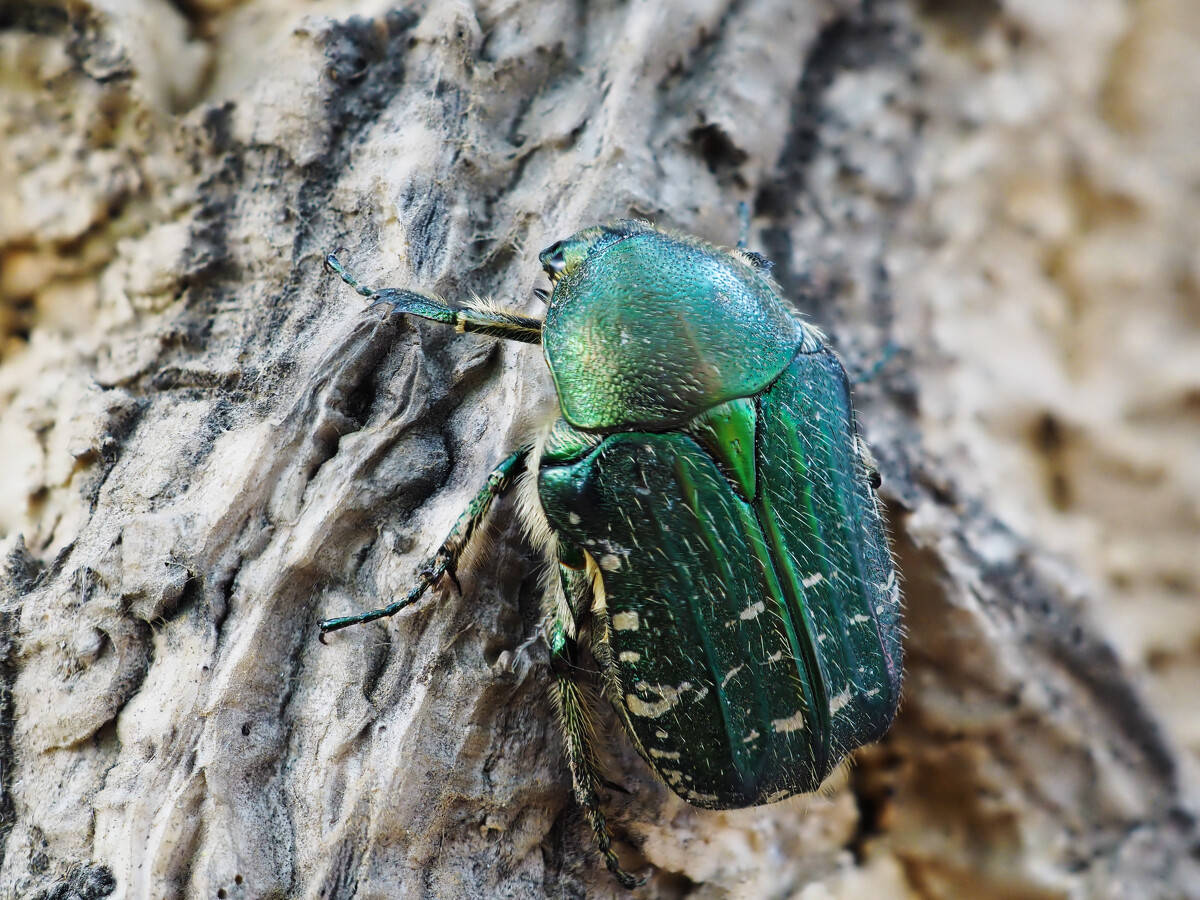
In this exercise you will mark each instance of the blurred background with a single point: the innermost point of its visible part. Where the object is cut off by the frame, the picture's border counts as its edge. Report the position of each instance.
(205, 447)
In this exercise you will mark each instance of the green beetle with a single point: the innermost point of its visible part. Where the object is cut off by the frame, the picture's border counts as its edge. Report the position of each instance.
(709, 510)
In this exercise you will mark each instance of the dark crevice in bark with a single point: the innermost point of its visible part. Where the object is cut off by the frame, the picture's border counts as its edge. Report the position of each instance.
(84, 881)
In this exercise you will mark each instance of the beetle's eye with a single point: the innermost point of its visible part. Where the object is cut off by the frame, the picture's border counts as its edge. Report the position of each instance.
(554, 259)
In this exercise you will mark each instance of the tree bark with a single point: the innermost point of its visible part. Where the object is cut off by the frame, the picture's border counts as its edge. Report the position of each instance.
(208, 446)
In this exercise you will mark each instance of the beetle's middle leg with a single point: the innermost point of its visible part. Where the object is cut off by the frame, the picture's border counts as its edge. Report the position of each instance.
(445, 561)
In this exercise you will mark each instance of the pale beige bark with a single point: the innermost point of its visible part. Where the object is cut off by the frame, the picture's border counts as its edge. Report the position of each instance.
(207, 446)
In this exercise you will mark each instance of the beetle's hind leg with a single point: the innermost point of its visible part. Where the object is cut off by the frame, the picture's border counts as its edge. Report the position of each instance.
(445, 561)
(578, 736)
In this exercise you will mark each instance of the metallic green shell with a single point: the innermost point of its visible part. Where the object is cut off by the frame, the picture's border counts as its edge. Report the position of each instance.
(645, 328)
(755, 621)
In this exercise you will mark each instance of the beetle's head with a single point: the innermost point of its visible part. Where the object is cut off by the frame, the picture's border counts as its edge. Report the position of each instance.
(563, 257)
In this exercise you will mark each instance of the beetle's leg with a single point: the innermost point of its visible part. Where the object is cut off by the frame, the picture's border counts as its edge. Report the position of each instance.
(476, 316)
(445, 561)
(578, 734)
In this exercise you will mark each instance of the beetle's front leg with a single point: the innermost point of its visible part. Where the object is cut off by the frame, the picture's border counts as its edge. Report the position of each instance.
(477, 316)
(575, 719)
(445, 561)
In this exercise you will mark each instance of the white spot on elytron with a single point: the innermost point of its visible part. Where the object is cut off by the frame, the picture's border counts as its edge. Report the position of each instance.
(752, 611)
(625, 621)
(652, 709)
(640, 707)
(696, 797)
(791, 723)
(610, 562)
(660, 734)
(841, 700)
(731, 673)
(809, 581)
(859, 619)
(822, 637)
(672, 776)
(872, 692)
(574, 519)
(775, 657)
(629, 656)
(752, 736)
(672, 755)
(732, 623)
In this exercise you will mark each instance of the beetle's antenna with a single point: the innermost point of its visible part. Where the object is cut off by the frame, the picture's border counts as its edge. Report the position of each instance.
(333, 264)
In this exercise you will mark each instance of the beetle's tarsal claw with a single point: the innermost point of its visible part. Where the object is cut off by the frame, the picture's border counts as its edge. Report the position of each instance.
(333, 264)
(628, 881)
(328, 625)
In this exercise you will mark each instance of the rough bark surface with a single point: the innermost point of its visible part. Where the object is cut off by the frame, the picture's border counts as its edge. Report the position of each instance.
(206, 446)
